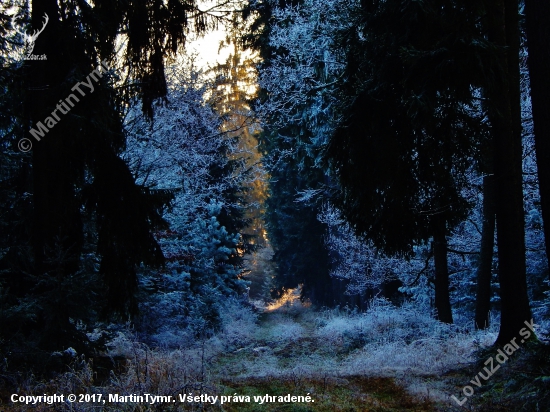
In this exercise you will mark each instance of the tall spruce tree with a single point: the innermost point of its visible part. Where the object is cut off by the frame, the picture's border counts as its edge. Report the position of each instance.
(293, 229)
(75, 168)
(413, 128)
(502, 23)
(409, 134)
(537, 19)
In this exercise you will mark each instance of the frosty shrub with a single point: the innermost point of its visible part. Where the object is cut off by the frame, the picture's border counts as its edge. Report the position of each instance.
(239, 323)
(285, 329)
(382, 323)
(423, 356)
(388, 338)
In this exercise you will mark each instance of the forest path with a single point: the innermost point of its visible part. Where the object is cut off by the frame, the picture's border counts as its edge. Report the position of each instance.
(287, 355)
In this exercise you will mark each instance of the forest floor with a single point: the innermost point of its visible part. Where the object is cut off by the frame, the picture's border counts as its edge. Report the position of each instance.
(286, 357)
(289, 355)
(387, 359)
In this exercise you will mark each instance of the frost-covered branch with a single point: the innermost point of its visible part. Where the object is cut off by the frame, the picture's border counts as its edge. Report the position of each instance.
(355, 259)
(302, 77)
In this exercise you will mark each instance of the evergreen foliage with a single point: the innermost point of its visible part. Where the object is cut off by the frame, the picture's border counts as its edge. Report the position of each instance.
(183, 152)
(293, 228)
(88, 225)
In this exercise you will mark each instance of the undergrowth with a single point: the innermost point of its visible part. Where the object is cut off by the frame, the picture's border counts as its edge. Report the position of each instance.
(347, 361)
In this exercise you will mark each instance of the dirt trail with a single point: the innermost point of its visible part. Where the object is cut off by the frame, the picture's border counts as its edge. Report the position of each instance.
(287, 355)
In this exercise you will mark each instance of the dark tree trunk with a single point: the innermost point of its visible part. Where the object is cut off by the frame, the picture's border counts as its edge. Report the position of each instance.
(442, 299)
(57, 229)
(504, 99)
(484, 272)
(537, 16)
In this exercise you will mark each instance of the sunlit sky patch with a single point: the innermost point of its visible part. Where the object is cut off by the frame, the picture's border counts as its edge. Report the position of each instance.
(206, 49)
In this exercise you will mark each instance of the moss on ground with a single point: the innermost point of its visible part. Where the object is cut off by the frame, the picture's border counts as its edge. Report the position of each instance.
(351, 394)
